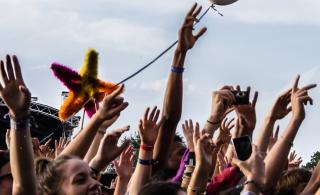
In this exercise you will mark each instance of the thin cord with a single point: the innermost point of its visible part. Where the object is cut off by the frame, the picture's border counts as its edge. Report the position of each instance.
(166, 50)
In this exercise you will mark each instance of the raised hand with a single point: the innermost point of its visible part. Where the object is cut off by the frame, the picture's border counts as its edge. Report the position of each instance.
(14, 92)
(221, 104)
(203, 147)
(224, 133)
(108, 150)
(60, 146)
(247, 114)
(273, 138)
(254, 167)
(36, 147)
(313, 186)
(281, 107)
(123, 166)
(222, 161)
(107, 123)
(293, 161)
(299, 98)
(112, 105)
(45, 149)
(148, 126)
(186, 39)
(187, 128)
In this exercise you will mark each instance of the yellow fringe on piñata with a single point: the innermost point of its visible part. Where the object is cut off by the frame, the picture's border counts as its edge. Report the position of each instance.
(90, 65)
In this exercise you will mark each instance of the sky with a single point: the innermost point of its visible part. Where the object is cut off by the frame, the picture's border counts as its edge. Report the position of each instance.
(261, 43)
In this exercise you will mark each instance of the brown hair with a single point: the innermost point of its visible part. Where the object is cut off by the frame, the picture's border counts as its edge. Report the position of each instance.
(48, 176)
(291, 180)
(160, 188)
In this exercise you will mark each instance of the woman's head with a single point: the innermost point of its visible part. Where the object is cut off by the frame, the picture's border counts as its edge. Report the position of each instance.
(66, 175)
(293, 181)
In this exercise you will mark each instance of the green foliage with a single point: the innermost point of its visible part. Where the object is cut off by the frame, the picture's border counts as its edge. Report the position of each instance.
(315, 158)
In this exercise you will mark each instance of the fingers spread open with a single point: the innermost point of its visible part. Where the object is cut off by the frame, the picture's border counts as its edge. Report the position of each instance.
(295, 84)
(3, 74)
(9, 68)
(255, 98)
(17, 69)
(200, 33)
(190, 12)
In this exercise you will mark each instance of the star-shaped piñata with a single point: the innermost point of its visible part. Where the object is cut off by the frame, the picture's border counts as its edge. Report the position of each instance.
(85, 88)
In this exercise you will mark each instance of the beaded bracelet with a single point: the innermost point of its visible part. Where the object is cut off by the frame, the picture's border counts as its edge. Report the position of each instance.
(176, 69)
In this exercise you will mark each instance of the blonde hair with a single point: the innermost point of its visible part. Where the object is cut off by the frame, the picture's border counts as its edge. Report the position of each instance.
(48, 176)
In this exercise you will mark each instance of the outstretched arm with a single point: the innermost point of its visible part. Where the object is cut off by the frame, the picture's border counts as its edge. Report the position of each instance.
(172, 104)
(204, 149)
(277, 157)
(97, 139)
(279, 110)
(314, 183)
(148, 131)
(17, 98)
(112, 105)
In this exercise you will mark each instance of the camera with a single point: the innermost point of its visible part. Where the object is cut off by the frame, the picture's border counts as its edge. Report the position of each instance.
(242, 97)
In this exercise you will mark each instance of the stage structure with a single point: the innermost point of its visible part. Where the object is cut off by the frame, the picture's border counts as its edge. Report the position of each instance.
(45, 122)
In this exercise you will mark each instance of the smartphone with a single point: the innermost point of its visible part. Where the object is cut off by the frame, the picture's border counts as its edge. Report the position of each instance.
(242, 97)
(242, 147)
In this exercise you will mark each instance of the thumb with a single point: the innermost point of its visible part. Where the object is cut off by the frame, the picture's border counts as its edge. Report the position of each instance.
(25, 91)
(124, 145)
(236, 163)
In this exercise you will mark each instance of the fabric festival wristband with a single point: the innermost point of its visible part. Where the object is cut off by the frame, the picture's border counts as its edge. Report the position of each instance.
(146, 162)
(176, 69)
(146, 147)
(17, 124)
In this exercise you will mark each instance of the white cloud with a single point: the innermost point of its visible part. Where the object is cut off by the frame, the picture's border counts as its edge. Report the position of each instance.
(304, 12)
(35, 22)
(160, 84)
(155, 85)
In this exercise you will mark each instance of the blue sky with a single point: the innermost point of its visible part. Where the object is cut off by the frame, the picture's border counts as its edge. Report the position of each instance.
(262, 43)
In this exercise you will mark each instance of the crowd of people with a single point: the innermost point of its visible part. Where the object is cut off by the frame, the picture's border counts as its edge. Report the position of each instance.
(163, 164)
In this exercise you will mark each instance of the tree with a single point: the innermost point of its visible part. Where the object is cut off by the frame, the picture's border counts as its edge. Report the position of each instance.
(315, 158)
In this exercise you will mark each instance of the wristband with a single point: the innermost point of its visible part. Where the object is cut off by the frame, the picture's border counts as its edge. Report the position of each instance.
(146, 162)
(259, 188)
(187, 174)
(146, 147)
(19, 124)
(176, 69)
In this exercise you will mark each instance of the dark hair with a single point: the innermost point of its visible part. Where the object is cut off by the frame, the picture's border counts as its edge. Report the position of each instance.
(290, 180)
(164, 174)
(48, 176)
(160, 188)
(178, 138)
